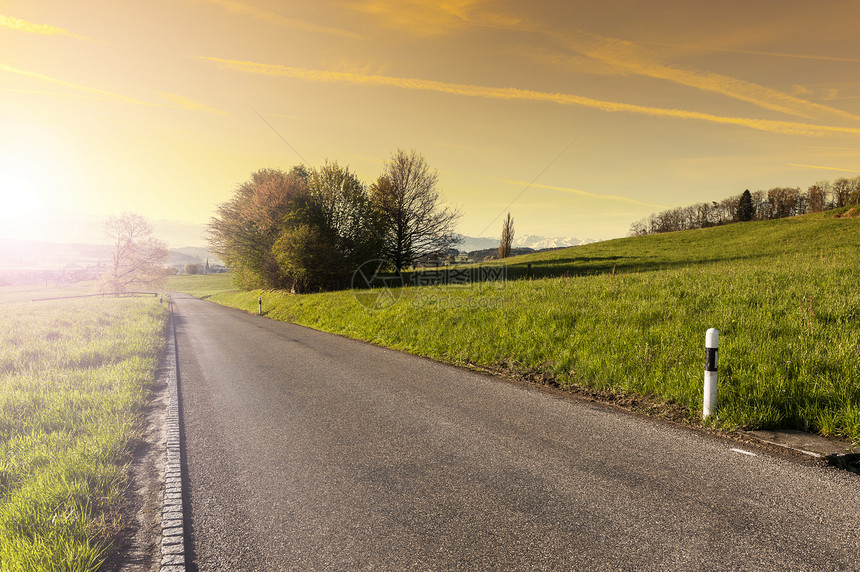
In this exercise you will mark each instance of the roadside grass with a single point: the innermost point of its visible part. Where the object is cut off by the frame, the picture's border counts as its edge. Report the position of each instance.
(74, 376)
(629, 317)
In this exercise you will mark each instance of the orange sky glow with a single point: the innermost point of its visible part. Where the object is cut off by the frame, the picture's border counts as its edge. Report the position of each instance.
(587, 116)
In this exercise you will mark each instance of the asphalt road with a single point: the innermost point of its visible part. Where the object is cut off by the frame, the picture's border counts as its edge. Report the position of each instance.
(307, 451)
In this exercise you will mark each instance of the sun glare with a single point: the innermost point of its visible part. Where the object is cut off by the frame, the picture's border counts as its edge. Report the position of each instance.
(31, 183)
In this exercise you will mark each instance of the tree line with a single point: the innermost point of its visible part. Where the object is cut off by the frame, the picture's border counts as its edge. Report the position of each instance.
(779, 202)
(310, 229)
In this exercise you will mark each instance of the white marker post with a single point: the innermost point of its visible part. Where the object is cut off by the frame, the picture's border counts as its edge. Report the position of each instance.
(260, 306)
(712, 344)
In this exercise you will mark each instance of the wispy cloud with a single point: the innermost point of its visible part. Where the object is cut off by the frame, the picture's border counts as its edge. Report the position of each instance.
(183, 102)
(630, 58)
(73, 86)
(434, 17)
(176, 101)
(773, 126)
(824, 168)
(586, 194)
(624, 57)
(277, 19)
(32, 28)
(759, 53)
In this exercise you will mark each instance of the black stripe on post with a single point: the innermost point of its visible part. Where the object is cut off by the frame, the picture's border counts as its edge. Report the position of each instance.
(710, 359)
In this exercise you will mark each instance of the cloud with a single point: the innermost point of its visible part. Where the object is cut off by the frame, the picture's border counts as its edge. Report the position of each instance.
(624, 57)
(586, 194)
(509, 93)
(278, 19)
(31, 28)
(630, 58)
(430, 18)
(178, 101)
(760, 53)
(80, 88)
(823, 168)
(189, 104)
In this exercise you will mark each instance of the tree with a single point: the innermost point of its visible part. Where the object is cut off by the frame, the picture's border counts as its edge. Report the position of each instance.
(746, 210)
(841, 190)
(817, 198)
(345, 212)
(507, 237)
(323, 244)
(138, 257)
(309, 257)
(414, 224)
(246, 228)
(194, 268)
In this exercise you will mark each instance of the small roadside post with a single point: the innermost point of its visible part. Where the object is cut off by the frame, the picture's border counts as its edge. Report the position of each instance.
(260, 306)
(712, 344)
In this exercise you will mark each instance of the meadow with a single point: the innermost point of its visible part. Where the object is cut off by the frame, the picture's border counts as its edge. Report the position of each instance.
(628, 317)
(200, 285)
(74, 377)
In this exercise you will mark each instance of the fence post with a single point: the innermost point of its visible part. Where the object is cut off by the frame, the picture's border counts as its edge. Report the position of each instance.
(260, 305)
(712, 344)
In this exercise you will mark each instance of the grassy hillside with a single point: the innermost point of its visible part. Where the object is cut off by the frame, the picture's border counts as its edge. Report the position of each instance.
(629, 316)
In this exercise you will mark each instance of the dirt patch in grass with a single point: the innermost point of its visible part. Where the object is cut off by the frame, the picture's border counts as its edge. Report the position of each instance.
(138, 545)
(850, 213)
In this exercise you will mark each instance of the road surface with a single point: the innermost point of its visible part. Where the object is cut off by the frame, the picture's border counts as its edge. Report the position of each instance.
(308, 451)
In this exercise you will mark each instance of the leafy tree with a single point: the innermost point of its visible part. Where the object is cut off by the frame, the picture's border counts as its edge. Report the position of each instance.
(308, 256)
(194, 268)
(346, 212)
(246, 228)
(138, 257)
(507, 237)
(414, 223)
(336, 230)
(746, 210)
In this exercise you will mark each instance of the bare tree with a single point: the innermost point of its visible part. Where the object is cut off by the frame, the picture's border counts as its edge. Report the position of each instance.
(415, 224)
(507, 237)
(841, 190)
(138, 257)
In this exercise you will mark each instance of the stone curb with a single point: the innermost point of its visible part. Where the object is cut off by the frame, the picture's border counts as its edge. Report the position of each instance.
(172, 515)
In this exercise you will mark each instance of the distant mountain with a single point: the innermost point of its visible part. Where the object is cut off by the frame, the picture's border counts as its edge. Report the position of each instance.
(29, 254)
(192, 255)
(176, 233)
(540, 242)
(36, 255)
(470, 243)
(533, 241)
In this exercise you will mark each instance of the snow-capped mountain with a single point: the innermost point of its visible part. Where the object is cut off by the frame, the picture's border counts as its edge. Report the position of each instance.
(540, 242)
(471, 243)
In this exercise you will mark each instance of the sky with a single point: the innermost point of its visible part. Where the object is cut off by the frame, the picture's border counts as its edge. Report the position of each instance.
(578, 118)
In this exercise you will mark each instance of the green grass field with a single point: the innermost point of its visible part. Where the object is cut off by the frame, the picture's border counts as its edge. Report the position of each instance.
(199, 285)
(74, 376)
(629, 316)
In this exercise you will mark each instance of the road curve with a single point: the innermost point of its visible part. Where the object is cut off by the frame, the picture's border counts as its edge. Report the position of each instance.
(308, 451)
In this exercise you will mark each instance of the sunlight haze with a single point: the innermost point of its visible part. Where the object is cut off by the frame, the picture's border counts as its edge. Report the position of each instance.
(587, 116)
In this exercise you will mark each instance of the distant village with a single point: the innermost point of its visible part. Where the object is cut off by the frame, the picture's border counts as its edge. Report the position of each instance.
(52, 264)
(24, 262)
